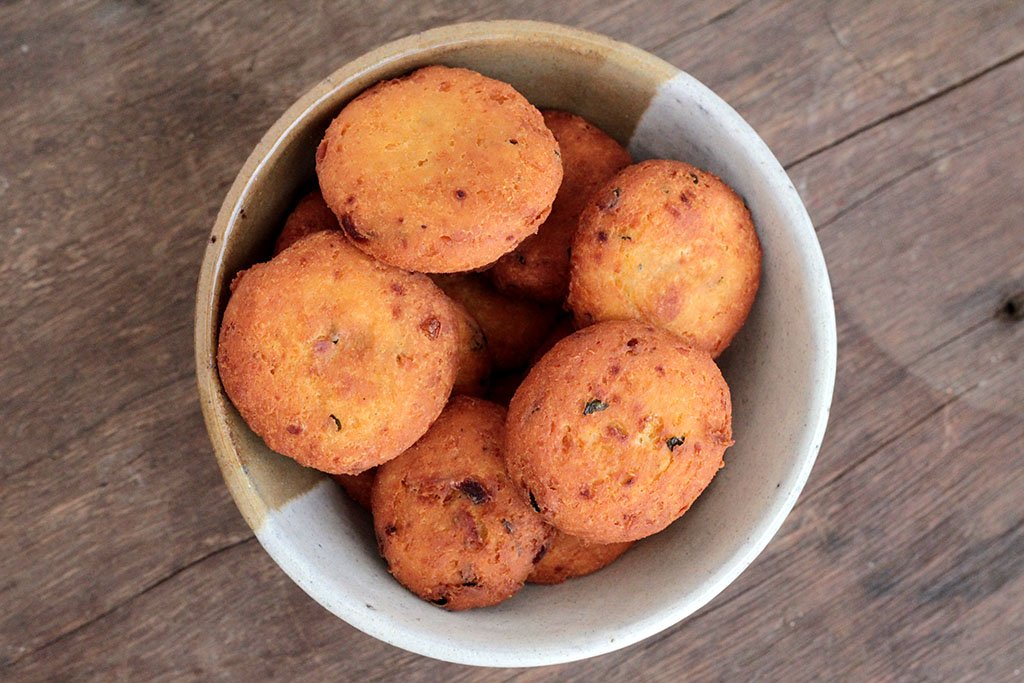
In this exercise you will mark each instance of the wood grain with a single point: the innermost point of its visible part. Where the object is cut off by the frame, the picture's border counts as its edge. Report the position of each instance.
(121, 125)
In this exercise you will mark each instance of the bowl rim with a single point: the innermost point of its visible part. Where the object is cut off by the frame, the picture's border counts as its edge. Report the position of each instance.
(247, 497)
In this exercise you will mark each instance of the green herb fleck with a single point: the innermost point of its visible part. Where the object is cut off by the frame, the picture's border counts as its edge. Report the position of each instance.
(674, 441)
(593, 406)
(337, 422)
(627, 238)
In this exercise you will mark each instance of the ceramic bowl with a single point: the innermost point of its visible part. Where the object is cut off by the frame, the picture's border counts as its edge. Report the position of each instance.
(781, 367)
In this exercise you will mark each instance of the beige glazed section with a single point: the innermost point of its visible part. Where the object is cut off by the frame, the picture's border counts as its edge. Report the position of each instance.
(553, 66)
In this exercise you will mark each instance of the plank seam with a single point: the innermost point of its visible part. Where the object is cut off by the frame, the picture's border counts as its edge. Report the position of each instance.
(813, 493)
(905, 109)
(127, 601)
(923, 166)
(718, 17)
(85, 431)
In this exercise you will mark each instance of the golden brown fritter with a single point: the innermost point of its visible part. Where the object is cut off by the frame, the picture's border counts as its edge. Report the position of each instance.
(568, 557)
(617, 430)
(334, 359)
(514, 327)
(450, 524)
(310, 215)
(539, 267)
(443, 170)
(669, 244)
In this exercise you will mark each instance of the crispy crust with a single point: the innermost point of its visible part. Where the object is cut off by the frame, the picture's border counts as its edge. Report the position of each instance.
(514, 328)
(334, 359)
(568, 557)
(441, 171)
(617, 430)
(539, 267)
(669, 244)
(449, 522)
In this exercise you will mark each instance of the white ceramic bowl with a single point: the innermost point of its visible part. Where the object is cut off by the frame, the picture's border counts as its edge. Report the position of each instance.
(781, 367)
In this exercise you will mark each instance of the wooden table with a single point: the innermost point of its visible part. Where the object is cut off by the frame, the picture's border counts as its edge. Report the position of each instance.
(122, 125)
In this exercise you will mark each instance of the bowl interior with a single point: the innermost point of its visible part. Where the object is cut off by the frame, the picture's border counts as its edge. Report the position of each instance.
(780, 369)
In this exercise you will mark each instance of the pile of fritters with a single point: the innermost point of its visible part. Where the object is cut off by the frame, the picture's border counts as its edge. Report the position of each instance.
(463, 252)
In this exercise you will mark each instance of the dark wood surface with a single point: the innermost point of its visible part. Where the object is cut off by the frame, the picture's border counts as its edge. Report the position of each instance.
(122, 125)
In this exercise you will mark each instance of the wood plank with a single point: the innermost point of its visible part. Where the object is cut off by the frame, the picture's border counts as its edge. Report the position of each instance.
(128, 503)
(111, 175)
(807, 73)
(935, 253)
(644, 24)
(208, 622)
(999, 338)
(831, 184)
(924, 259)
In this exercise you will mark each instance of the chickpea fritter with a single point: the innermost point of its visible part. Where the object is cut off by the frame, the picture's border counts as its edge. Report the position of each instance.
(568, 557)
(514, 328)
(474, 376)
(443, 170)
(539, 267)
(669, 244)
(334, 359)
(450, 524)
(617, 430)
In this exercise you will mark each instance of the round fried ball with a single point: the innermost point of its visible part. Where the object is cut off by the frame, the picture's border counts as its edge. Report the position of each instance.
(539, 267)
(357, 486)
(310, 215)
(334, 359)
(473, 378)
(617, 430)
(568, 557)
(514, 327)
(669, 244)
(449, 522)
(443, 170)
